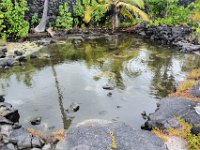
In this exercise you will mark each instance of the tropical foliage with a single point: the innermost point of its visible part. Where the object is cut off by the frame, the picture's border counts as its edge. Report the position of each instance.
(12, 22)
(100, 13)
(64, 20)
(95, 10)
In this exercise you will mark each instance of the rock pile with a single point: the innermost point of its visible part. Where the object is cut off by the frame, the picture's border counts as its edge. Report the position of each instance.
(12, 135)
(175, 36)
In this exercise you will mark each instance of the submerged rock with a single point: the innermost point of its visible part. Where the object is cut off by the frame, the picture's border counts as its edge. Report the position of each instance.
(21, 58)
(18, 53)
(33, 56)
(7, 62)
(36, 120)
(3, 52)
(170, 109)
(102, 135)
(2, 99)
(74, 107)
(109, 94)
(108, 87)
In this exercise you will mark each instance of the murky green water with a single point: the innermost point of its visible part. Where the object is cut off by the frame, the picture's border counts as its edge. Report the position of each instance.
(141, 73)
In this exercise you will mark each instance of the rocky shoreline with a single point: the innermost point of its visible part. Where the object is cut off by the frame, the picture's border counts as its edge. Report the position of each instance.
(179, 37)
(101, 134)
(98, 134)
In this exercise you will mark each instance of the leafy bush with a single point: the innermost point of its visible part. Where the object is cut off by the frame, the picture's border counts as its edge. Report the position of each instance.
(34, 20)
(64, 20)
(168, 12)
(88, 11)
(13, 13)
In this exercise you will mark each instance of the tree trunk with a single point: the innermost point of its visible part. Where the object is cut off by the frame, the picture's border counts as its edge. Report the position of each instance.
(115, 20)
(42, 25)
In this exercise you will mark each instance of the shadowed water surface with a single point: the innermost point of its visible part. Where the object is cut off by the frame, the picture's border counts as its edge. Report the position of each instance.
(141, 73)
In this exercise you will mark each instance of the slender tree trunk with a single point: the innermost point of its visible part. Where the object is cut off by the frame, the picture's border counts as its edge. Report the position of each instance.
(115, 20)
(42, 25)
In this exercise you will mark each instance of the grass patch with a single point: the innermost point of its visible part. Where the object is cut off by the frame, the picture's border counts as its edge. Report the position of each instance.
(186, 85)
(184, 132)
(195, 74)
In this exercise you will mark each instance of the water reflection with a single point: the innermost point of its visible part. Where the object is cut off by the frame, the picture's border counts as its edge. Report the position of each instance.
(66, 121)
(141, 72)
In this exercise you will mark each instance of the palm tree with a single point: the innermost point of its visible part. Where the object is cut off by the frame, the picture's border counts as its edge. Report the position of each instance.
(125, 7)
(42, 25)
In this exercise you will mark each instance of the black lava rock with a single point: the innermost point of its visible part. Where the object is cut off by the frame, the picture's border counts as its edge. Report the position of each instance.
(36, 120)
(109, 94)
(18, 53)
(108, 87)
(74, 107)
(170, 108)
(22, 59)
(195, 130)
(2, 99)
(33, 56)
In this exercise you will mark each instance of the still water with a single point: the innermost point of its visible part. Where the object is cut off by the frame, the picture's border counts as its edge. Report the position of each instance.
(141, 73)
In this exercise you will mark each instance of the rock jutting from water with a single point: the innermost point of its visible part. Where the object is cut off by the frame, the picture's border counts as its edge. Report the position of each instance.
(170, 109)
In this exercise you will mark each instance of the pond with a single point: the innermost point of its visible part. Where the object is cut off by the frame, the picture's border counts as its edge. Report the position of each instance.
(140, 72)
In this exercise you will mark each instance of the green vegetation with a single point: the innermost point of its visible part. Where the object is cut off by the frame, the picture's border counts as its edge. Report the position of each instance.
(101, 13)
(186, 85)
(12, 22)
(94, 10)
(64, 20)
(34, 20)
(169, 12)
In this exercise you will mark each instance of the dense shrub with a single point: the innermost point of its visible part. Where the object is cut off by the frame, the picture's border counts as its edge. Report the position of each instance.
(168, 12)
(13, 24)
(64, 20)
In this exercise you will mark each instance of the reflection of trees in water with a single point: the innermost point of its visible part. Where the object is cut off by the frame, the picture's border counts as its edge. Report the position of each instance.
(160, 63)
(22, 73)
(116, 54)
(66, 121)
(107, 54)
(111, 57)
(191, 62)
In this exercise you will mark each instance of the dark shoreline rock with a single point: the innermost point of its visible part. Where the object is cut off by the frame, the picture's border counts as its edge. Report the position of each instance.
(169, 111)
(169, 35)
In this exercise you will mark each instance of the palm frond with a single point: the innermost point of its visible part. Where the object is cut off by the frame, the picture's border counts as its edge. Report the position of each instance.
(139, 3)
(88, 14)
(134, 9)
(126, 13)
